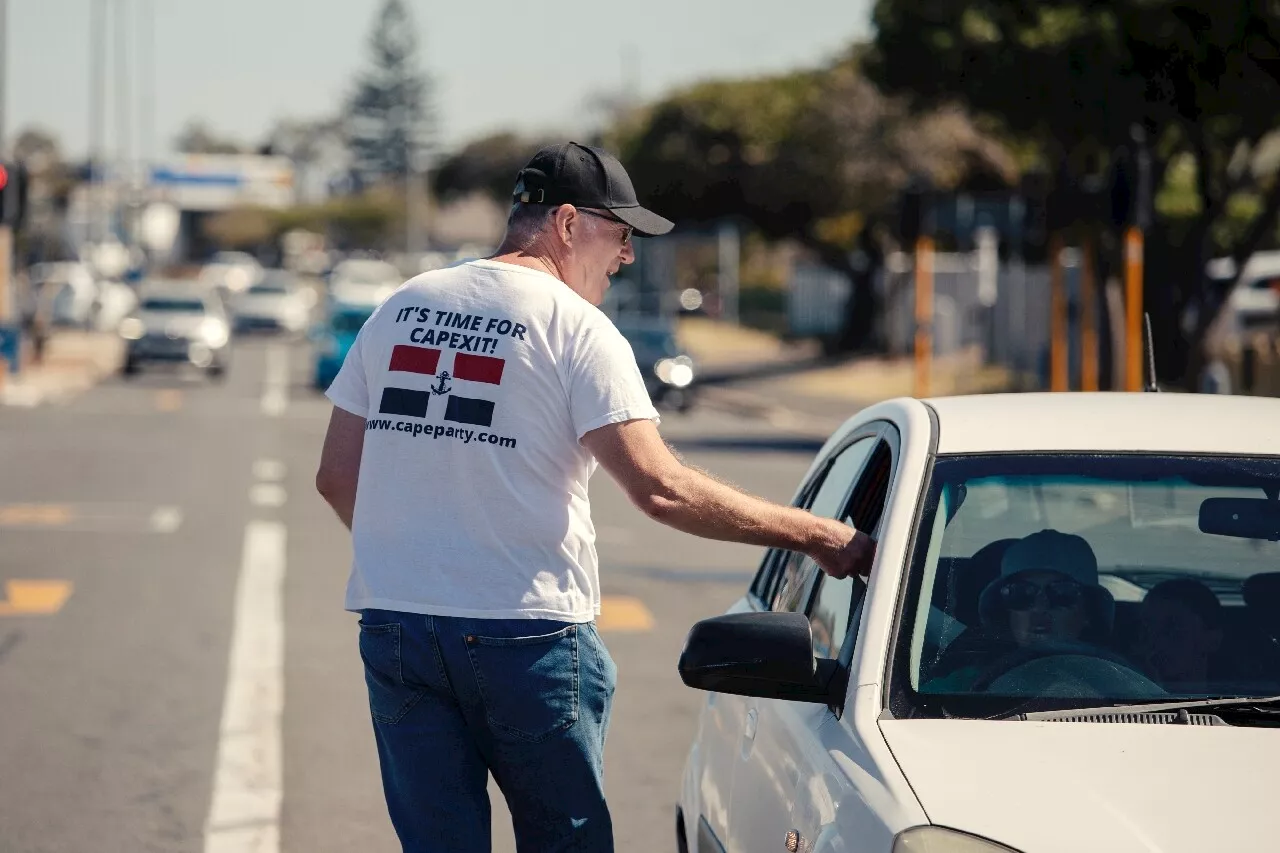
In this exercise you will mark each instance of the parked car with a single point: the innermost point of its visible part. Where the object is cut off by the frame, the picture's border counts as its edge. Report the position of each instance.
(361, 280)
(334, 336)
(231, 272)
(275, 303)
(1069, 640)
(667, 369)
(177, 323)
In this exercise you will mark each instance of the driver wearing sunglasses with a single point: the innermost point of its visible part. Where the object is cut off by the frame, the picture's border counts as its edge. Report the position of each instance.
(1048, 592)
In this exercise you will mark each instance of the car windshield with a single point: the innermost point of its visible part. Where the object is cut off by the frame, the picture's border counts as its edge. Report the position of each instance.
(1058, 581)
(348, 322)
(269, 288)
(174, 305)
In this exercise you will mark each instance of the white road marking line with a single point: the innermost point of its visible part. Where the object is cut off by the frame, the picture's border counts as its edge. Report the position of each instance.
(248, 785)
(275, 390)
(166, 519)
(271, 470)
(267, 494)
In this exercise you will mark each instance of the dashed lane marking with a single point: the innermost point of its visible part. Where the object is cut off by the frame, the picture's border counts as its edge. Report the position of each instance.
(248, 784)
(267, 494)
(269, 470)
(623, 613)
(275, 389)
(35, 515)
(91, 518)
(34, 597)
(168, 400)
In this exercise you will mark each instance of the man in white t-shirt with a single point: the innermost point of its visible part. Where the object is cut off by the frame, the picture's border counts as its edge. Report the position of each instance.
(471, 411)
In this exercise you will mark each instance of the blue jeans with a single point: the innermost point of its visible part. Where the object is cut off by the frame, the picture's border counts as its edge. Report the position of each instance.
(454, 700)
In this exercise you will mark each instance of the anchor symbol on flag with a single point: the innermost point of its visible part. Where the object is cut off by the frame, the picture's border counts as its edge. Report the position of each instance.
(442, 387)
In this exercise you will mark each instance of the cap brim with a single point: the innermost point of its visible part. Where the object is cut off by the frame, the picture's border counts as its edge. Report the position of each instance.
(645, 222)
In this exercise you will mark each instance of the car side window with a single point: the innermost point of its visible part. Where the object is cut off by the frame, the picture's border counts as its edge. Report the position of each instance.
(798, 572)
(831, 617)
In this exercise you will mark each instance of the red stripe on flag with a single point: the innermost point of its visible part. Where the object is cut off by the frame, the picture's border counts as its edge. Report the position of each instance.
(414, 359)
(478, 368)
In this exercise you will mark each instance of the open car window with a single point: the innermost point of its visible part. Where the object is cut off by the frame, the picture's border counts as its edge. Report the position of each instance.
(1071, 580)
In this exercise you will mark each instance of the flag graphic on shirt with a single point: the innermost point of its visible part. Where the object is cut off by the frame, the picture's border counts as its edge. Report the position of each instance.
(426, 361)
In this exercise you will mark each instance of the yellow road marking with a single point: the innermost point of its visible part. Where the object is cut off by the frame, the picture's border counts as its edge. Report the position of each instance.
(34, 515)
(623, 613)
(168, 400)
(34, 597)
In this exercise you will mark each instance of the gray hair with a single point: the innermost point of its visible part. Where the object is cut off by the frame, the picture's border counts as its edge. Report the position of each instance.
(525, 222)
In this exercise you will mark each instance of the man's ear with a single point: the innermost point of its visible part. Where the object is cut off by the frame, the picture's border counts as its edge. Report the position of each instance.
(566, 218)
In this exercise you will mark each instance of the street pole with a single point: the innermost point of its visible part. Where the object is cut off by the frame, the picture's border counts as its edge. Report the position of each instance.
(729, 260)
(1059, 379)
(97, 116)
(1088, 318)
(6, 233)
(124, 115)
(924, 315)
(1133, 308)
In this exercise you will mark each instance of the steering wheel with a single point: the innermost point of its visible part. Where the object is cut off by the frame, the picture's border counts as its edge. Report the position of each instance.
(1031, 668)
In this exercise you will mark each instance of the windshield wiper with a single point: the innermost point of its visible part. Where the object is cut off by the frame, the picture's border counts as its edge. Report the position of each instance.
(1258, 704)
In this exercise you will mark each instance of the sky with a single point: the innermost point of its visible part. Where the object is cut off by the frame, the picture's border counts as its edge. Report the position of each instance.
(240, 65)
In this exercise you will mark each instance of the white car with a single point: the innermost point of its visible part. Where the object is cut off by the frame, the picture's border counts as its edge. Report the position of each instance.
(1069, 640)
(276, 302)
(364, 280)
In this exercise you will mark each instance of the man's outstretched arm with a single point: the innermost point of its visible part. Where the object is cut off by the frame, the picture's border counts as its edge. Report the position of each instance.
(670, 492)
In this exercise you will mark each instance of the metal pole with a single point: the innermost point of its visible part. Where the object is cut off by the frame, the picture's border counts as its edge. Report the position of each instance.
(924, 315)
(4, 76)
(729, 261)
(1059, 380)
(97, 115)
(1088, 318)
(1133, 308)
(124, 115)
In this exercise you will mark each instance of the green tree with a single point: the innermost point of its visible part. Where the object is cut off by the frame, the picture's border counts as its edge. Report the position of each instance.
(389, 115)
(815, 156)
(487, 165)
(1073, 78)
(198, 138)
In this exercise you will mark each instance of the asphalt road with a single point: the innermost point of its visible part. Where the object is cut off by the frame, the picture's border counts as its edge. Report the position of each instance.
(147, 705)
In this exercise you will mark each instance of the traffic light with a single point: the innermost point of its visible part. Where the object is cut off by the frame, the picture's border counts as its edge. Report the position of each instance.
(13, 194)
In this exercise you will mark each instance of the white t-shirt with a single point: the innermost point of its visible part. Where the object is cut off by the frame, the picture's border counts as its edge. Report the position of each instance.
(476, 383)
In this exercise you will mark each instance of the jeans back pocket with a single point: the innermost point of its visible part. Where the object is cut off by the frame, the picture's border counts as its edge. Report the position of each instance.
(389, 697)
(529, 685)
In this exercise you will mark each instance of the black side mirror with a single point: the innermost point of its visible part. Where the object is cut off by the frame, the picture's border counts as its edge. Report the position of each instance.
(760, 654)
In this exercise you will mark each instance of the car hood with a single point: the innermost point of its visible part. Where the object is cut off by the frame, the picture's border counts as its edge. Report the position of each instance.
(265, 303)
(1059, 787)
(172, 323)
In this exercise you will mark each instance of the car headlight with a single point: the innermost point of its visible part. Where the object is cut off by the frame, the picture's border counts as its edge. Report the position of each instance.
(214, 332)
(132, 329)
(937, 839)
(676, 371)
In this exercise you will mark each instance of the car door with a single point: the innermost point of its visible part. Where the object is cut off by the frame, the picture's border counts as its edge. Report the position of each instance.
(785, 771)
(780, 583)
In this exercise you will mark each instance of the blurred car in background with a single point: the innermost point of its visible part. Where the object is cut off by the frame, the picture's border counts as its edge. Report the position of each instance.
(667, 369)
(177, 323)
(231, 272)
(334, 336)
(361, 280)
(277, 302)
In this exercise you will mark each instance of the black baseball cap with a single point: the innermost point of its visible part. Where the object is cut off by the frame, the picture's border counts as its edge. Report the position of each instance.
(586, 177)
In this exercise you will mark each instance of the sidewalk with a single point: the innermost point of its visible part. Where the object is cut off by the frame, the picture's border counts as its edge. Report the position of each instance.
(73, 362)
(753, 373)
